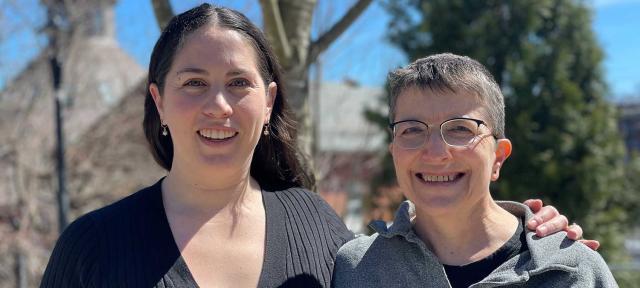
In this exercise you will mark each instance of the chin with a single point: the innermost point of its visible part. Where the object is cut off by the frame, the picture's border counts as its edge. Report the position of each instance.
(436, 202)
(436, 205)
(224, 161)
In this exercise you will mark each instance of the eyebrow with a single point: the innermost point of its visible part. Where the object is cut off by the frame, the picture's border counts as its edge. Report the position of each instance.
(448, 118)
(234, 72)
(192, 70)
(238, 71)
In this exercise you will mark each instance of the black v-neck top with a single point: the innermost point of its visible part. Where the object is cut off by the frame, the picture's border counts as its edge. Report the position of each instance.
(129, 244)
(467, 275)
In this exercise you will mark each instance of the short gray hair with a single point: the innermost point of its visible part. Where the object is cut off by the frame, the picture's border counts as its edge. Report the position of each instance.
(454, 73)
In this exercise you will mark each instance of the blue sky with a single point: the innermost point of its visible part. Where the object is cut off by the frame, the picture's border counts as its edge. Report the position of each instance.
(617, 25)
(361, 54)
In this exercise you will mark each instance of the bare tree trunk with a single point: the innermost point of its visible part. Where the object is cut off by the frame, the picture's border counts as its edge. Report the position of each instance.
(21, 263)
(297, 52)
(163, 12)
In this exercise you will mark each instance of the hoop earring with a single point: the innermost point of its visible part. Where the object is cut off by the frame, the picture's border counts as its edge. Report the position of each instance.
(265, 132)
(165, 132)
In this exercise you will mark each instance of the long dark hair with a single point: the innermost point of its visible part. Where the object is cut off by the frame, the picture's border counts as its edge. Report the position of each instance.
(277, 161)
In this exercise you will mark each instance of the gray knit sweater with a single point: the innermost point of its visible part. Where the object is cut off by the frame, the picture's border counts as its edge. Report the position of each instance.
(396, 257)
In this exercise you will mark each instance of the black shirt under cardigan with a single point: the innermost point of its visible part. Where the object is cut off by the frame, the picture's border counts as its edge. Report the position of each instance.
(467, 275)
(130, 244)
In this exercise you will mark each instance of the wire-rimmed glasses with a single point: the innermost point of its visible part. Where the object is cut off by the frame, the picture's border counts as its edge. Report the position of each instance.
(456, 132)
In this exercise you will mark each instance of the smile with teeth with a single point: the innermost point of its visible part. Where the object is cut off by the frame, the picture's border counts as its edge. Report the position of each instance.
(439, 178)
(213, 134)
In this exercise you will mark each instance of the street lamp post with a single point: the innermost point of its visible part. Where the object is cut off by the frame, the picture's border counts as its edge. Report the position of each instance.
(54, 28)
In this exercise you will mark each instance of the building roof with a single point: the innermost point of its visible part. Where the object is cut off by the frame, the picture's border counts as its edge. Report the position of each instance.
(342, 124)
(96, 75)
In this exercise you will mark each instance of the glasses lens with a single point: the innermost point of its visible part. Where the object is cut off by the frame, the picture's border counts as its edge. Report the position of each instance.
(410, 134)
(459, 132)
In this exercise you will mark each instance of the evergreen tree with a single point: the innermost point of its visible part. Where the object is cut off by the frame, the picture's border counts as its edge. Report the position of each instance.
(543, 53)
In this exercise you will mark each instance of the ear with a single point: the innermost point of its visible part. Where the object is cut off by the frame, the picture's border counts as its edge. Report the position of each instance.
(272, 91)
(155, 93)
(502, 153)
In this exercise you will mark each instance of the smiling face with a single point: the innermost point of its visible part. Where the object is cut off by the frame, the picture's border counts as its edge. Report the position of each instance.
(437, 178)
(214, 102)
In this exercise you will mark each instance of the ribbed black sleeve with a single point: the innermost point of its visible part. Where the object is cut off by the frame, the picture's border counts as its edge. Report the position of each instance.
(72, 262)
(130, 244)
(126, 244)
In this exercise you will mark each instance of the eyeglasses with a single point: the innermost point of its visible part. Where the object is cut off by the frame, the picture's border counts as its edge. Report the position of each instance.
(456, 132)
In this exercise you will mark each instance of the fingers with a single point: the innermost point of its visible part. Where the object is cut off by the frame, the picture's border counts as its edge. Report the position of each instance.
(544, 215)
(593, 244)
(534, 204)
(574, 232)
(548, 221)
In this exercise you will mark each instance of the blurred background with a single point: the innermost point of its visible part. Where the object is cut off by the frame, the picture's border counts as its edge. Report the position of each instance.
(72, 84)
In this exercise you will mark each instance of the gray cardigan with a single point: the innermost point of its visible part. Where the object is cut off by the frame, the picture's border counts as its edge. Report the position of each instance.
(396, 257)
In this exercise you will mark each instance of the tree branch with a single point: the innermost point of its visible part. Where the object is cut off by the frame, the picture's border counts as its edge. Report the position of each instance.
(275, 29)
(163, 12)
(323, 42)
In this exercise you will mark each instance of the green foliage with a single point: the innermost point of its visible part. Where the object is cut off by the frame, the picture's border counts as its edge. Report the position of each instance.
(543, 53)
(627, 278)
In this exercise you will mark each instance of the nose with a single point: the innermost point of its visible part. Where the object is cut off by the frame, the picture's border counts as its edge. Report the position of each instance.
(217, 104)
(435, 150)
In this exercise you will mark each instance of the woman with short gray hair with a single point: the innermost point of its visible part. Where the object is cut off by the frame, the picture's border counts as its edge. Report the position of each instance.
(447, 115)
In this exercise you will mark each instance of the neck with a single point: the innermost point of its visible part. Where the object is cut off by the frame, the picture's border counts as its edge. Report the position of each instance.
(467, 235)
(189, 194)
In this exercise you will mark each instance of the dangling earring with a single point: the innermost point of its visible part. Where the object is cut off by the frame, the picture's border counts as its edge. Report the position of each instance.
(164, 129)
(266, 130)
